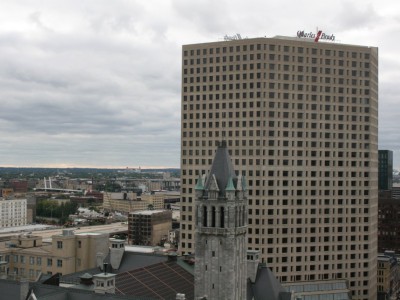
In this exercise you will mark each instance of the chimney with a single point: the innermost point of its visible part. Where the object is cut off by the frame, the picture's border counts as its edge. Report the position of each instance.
(117, 250)
(23, 288)
(99, 259)
(172, 257)
(253, 260)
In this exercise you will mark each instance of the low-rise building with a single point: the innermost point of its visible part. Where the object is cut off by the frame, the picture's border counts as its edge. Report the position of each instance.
(6, 192)
(88, 199)
(19, 186)
(388, 275)
(13, 212)
(128, 202)
(28, 256)
(149, 227)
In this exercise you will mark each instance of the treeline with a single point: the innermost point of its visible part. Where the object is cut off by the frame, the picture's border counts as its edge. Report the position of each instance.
(51, 209)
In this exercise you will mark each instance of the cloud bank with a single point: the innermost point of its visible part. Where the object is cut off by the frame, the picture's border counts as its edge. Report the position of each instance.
(97, 83)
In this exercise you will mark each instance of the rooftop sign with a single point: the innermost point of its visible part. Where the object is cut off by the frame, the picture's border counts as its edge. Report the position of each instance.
(234, 37)
(319, 35)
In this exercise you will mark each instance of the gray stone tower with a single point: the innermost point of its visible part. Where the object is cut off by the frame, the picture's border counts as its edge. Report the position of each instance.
(221, 223)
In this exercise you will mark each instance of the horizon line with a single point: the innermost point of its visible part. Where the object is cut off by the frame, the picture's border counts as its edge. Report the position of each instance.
(88, 167)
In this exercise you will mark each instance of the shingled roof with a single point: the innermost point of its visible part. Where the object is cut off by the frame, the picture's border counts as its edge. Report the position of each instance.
(159, 281)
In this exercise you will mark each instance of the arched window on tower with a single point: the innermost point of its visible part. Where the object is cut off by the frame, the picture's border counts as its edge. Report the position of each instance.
(222, 216)
(213, 212)
(236, 216)
(243, 215)
(205, 212)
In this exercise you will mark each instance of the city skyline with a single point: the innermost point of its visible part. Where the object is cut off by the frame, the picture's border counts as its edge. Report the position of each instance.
(99, 84)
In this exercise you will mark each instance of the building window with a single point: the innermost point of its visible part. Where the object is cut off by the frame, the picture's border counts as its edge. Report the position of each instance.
(59, 263)
(49, 262)
(59, 244)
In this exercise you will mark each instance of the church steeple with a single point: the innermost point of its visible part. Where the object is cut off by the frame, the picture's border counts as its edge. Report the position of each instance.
(221, 178)
(221, 170)
(221, 224)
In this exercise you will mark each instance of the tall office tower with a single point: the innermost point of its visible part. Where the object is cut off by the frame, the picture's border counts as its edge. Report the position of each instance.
(385, 179)
(300, 119)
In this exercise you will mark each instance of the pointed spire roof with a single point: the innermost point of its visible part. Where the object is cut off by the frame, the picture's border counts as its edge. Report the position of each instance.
(222, 171)
(230, 186)
(199, 184)
(241, 183)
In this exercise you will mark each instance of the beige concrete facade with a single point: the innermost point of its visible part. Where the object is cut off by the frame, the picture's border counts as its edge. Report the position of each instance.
(28, 256)
(149, 227)
(384, 274)
(301, 121)
(133, 202)
(388, 276)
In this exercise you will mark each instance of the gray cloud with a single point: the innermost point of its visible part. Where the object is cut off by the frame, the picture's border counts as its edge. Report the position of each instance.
(354, 16)
(97, 83)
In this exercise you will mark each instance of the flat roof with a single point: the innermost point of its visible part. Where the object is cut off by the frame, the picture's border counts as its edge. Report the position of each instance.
(89, 233)
(17, 229)
(54, 230)
(148, 212)
(292, 39)
(139, 249)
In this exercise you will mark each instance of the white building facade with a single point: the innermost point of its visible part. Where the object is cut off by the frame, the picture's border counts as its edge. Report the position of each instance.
(12, 212)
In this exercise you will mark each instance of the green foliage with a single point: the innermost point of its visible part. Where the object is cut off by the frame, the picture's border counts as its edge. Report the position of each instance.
(108, 186)
(51, 209)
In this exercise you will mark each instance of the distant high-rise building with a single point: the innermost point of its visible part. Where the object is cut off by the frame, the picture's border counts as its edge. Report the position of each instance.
(301, 120)
(385, 179)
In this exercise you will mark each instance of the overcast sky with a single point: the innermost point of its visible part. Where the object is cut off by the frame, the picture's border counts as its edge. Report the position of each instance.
(97, 83)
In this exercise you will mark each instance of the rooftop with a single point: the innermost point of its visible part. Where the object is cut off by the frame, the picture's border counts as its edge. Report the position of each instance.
(148, 212)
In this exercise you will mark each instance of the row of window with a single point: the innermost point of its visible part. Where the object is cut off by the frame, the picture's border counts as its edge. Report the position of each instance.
(21, 259)
(224, 59)
(285, 143)
(60, 244)
(299, 153)
(294, 87)
(21, 272)
(276, 48)
(316, 267)
(253, 71)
